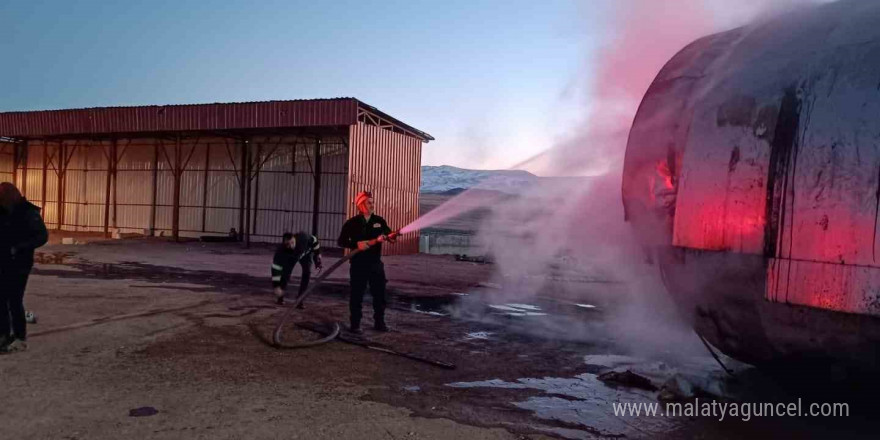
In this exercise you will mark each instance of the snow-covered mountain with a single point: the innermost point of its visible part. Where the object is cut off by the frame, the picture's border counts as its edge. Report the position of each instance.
(450, 180)
(440, 179)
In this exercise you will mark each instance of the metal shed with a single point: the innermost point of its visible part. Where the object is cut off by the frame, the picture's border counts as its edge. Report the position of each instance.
(262, 168)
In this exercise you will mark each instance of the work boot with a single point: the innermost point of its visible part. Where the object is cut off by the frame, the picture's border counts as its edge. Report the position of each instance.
(381, 327)
(300, 306)
(355, 329)
(5, 340)
(14, 346)
(279, 300)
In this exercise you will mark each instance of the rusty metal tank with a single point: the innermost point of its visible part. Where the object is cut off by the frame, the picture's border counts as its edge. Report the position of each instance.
(753, 169)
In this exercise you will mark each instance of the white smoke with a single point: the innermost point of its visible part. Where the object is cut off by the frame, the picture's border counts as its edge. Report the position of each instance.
(563, 221)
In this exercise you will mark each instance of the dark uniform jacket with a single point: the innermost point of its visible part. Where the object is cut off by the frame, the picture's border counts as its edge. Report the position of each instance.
(21, 232)
(358, 229)
(285, 258)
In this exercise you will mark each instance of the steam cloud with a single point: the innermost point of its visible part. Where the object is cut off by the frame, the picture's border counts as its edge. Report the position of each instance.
(568, 220)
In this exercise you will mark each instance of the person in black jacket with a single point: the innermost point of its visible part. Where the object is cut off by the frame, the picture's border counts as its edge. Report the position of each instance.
(366, 267)
(21, 231)
(302, 248)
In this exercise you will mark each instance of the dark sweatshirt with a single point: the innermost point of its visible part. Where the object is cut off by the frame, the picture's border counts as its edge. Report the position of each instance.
(358, 229)
(21, 232)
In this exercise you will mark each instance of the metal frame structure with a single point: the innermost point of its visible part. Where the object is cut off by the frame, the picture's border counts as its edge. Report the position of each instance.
(188, 170)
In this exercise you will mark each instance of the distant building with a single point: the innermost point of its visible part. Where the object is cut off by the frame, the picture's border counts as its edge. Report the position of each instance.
(190, 170)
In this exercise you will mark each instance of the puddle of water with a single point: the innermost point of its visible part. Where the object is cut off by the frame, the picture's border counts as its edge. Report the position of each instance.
(436, 306)
(505, 308)
(541, 317)
(701, 373)
(523, 306)
(610, 361)
(517, 309)
(478, 335)
(586, 402)
(416, 309)
(548, 318)
(59, 258)
(159, 276)
(144, 411)
(524, 314)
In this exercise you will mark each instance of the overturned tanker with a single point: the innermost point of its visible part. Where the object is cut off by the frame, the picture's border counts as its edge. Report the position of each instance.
(753, 171)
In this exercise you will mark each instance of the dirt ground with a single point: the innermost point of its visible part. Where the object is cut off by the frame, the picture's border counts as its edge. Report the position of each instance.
(182, 328)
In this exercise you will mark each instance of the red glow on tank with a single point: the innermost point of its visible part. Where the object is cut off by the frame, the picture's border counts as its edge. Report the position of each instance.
(665, 174)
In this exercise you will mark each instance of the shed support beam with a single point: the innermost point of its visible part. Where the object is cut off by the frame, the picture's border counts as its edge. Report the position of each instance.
(45, 172)
(242, 178)
(317, 199)
(205, 187)
(23, 160)
(154, 196)
(256, 176)
(109, 157)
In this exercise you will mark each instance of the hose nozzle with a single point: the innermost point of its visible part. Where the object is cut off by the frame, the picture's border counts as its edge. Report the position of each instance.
(383, 238)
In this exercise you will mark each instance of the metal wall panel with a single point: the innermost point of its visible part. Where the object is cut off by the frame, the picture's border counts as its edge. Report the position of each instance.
(388, 164)
(334, 180)
(209, 193)
(286, 189)
(84, 184)
(33, 190)
(6, 161)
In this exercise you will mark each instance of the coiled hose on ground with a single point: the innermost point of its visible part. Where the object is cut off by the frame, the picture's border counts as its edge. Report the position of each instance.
(277, 334)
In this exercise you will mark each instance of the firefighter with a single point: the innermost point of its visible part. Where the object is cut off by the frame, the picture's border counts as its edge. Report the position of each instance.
(21, 231)
(302, 248)
(366, 267)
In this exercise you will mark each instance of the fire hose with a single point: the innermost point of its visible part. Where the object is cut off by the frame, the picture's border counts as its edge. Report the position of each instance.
(277, 334)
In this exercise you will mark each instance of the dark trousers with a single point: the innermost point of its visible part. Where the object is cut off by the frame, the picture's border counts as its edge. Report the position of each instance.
(306, 265)
(363, 276)
(13, 281)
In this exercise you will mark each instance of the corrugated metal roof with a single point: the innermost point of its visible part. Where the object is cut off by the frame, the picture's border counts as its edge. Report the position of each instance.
(190, 117)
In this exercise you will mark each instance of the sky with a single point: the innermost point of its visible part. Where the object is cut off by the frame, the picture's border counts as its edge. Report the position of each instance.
(495, 82)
